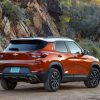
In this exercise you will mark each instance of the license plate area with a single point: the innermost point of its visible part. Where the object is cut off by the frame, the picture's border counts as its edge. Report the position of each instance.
(15, 69)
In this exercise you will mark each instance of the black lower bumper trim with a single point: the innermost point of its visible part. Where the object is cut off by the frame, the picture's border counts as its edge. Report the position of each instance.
(31, 77)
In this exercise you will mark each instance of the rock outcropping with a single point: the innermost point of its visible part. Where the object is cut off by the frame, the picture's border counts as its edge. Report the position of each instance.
(42, 18)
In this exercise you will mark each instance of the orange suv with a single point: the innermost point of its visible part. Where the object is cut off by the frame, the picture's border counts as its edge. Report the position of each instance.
(51, 61)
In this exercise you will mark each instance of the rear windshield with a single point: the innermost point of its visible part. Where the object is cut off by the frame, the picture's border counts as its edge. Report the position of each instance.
(30, 45)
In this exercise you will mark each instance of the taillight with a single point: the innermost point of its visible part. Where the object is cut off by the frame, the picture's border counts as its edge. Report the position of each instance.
(39, 55)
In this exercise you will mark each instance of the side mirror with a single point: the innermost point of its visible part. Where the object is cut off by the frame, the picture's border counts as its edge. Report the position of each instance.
(85, 52)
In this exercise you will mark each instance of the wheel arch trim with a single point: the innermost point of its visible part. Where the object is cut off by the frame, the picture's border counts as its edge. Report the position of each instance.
(96, 65)
(55, 65)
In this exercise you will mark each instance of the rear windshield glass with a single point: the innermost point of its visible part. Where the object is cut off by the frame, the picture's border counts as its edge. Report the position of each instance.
(30, 45)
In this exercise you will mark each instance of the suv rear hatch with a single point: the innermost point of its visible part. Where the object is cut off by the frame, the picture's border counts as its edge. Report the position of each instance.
(22, 49)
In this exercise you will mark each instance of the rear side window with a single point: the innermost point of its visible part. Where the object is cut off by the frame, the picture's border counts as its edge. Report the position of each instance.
(60, 46)
(30, 45)
(74, 48)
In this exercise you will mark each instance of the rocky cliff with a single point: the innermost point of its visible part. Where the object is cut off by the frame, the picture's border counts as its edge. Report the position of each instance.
(40, 18)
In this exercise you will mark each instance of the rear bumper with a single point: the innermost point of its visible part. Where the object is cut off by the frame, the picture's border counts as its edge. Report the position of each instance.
(31, 65)
(36, 70)
(32, 78)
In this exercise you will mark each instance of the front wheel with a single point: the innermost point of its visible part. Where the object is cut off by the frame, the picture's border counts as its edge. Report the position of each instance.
(8, 85)
(93, 79)
(52, 83)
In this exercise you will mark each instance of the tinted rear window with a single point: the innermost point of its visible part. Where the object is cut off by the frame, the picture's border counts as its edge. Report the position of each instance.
(31, 45)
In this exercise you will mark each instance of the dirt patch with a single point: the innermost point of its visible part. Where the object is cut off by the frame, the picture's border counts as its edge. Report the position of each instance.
(68, 91)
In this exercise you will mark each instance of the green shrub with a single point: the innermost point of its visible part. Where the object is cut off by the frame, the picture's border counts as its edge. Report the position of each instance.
(13, 12)
(93, 47)
(83, 17)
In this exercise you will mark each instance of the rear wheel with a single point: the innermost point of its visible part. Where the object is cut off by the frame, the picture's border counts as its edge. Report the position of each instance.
(8, 85)
(52, 83)
(93, 79)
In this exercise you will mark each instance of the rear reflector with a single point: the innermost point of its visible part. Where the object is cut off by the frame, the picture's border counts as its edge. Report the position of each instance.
(66, 72)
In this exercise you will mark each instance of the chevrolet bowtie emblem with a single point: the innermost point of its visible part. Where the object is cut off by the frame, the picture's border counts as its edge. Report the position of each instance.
(15, 54)
(1, 56)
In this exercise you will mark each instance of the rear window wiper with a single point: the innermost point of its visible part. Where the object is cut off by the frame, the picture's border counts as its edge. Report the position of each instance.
(14, 49)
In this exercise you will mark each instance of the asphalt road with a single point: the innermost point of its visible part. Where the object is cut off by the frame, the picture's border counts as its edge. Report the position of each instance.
(68, 91)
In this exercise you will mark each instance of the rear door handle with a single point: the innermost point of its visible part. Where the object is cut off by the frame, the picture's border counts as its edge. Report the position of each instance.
(59, 56)
(75, 56)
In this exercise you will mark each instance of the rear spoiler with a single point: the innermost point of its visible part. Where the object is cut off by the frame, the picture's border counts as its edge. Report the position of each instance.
(28, 41)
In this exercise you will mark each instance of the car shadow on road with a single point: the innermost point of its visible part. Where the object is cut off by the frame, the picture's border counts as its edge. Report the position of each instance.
(72, 87)
(25, 89)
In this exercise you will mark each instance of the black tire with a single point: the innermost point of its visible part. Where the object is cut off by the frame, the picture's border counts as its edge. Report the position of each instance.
(93, 79)
(53, 80)
(8, 85)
